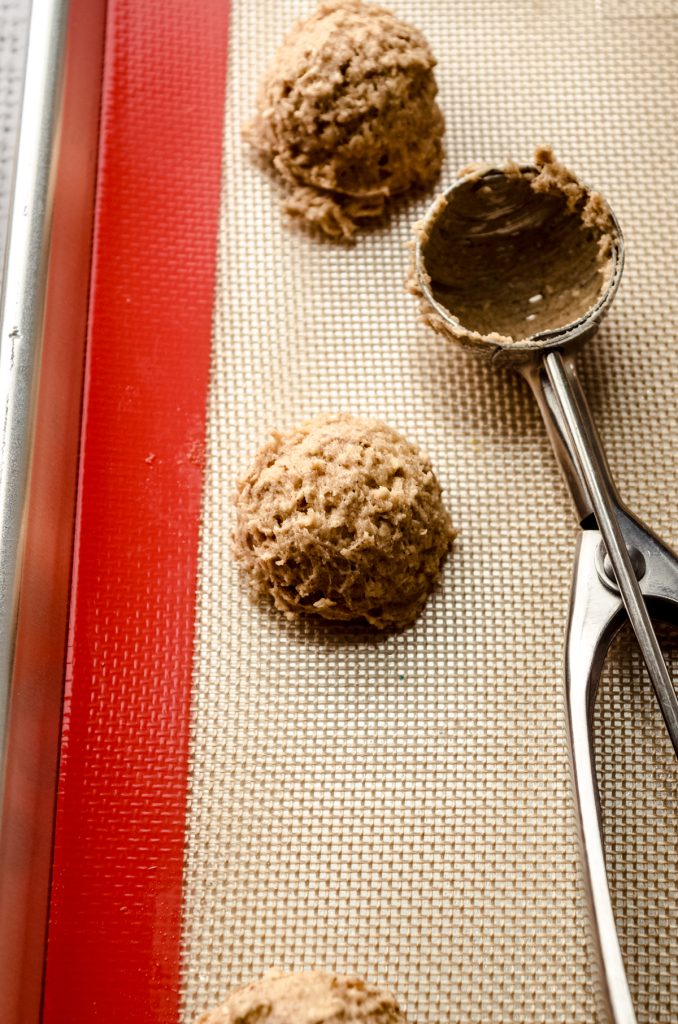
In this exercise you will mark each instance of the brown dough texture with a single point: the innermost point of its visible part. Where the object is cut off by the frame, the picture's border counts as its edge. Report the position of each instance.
(347, 114)
(514, 253)
(342, 518)
(312, 997)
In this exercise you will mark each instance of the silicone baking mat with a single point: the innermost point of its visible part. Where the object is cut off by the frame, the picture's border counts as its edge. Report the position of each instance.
(399, 806)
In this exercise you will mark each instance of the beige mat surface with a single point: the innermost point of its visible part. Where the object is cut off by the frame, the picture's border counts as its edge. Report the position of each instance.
(400, 806)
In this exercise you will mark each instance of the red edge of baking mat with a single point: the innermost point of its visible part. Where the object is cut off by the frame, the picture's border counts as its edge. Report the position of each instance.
(116, 905)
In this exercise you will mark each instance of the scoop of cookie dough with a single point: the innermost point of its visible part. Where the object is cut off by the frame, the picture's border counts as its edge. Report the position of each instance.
(343, 518)
(347, 114)
(512, 252)
(314, 997)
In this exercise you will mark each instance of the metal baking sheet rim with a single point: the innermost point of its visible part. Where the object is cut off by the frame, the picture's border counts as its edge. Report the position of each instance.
(43, 331)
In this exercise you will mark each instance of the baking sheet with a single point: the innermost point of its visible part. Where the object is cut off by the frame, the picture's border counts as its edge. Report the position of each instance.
(399, 806)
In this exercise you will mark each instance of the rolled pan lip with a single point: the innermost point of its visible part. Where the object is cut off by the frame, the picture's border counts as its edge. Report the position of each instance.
(22, 306)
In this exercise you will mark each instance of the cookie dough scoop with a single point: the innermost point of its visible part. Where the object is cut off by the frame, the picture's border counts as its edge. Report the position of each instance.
(520, 264)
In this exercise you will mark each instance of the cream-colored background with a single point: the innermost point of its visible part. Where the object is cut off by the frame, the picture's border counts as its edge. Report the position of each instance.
(399, 806)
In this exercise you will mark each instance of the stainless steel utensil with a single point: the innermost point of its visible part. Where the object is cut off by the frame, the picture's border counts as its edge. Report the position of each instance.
(621, 569)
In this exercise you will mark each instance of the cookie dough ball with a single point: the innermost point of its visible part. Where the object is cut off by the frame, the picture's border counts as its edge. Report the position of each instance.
(347, 114)
(343, 518)
(314, 997)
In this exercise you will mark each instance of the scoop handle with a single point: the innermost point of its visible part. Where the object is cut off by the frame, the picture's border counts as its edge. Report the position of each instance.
(596, 610)
(541, 383)
(587, 457)
(595, 615)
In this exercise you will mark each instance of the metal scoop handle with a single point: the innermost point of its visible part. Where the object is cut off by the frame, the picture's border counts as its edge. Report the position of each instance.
(588, 458)
(602, 590)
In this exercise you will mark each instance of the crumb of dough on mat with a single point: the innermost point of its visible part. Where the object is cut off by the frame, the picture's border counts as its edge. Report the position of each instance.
(347, 115)
(311, 997)
(342, 518)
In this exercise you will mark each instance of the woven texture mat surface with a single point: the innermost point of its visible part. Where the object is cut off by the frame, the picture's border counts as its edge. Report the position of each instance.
(400, 806)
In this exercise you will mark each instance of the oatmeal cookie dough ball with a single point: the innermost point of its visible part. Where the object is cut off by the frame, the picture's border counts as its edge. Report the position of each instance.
(343, 518)
(347, 114)
(313, 997)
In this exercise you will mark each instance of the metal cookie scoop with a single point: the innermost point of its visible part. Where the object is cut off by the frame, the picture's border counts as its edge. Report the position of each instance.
(495, 249)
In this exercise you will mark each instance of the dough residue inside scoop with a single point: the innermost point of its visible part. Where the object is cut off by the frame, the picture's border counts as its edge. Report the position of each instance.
(516, 252)
(347, 115)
